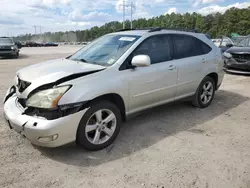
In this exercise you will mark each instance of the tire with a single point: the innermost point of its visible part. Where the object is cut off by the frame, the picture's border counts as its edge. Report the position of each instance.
(86, 138)
(16, 56)
(199, 99)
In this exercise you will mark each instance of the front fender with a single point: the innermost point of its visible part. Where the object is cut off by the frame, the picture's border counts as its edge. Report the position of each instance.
(87, 92)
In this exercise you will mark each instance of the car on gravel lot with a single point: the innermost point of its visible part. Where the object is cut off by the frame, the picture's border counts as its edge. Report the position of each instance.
(223, 43)
(50, 44)
(86, 96)
(237, 58)
(33, 44)
(8, 48)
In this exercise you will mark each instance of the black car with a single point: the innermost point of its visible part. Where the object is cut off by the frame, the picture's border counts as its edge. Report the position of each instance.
(50, 44)
(237, 58)
(33, 44)
(8, 48)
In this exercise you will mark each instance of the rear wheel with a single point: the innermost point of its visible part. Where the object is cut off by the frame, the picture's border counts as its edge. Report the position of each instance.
(205, 93)
(99, 126)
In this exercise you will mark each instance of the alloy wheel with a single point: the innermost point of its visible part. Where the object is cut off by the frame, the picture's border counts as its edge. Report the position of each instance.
(100, 126)
(207, 92)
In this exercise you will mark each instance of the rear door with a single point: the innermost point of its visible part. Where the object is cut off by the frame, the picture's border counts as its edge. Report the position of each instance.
(189, 60)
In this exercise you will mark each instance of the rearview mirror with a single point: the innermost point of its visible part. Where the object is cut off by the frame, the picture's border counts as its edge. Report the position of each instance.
(141, 61)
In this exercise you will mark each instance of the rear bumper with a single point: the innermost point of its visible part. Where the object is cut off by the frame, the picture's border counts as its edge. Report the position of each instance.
(39, 131)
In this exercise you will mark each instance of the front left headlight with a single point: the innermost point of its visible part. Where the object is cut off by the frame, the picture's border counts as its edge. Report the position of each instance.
(48, 98)
(13, 47)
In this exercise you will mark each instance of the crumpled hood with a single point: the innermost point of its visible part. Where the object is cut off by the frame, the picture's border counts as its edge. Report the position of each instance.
(51, 71)
(239, 50)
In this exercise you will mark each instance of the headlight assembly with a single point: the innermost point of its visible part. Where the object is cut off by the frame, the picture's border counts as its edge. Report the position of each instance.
(48, 98)
(227, 55)
(13, 47)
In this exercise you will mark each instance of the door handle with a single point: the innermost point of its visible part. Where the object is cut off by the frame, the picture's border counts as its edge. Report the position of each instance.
(204, 61)
(171, 67)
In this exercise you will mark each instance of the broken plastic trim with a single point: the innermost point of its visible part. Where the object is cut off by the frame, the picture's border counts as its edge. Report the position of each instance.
(13, 88)
(61, 111)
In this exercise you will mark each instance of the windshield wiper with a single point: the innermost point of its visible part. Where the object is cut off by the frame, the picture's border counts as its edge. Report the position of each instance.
(83, 60)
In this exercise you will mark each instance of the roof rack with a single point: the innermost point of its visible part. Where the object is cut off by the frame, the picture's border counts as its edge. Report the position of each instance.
(176, 29)
(154, 29)
(129, 29)
(126, 29)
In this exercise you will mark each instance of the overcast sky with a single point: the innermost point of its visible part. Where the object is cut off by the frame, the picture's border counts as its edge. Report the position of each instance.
(18, 16)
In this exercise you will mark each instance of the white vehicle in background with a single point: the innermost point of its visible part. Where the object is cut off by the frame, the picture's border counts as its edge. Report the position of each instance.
(223, 43)
(85, 97)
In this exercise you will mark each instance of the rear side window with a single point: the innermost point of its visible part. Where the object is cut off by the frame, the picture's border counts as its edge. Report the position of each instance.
(204, 47)
(188, 46)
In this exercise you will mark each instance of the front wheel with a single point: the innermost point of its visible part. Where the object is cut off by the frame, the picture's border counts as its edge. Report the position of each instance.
(99, 126)
(16, 55)
(205, 93)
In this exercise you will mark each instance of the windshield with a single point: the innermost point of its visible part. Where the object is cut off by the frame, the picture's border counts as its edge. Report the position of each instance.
(6, 41)
(106, 50)
(245, 42)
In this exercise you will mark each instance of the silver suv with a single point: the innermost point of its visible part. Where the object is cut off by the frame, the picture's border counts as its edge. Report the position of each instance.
(86, 97)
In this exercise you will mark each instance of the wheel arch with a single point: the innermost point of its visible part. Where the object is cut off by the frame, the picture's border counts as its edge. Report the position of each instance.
(214, 76)
(113, 98)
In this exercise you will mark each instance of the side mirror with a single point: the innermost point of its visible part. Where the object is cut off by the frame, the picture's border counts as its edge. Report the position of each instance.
(229, 45)
(141, 61)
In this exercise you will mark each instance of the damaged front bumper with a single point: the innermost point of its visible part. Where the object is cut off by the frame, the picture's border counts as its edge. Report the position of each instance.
(237, 67)
(41, 131)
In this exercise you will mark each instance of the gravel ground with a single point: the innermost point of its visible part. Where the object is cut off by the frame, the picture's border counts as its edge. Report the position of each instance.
(173, 145)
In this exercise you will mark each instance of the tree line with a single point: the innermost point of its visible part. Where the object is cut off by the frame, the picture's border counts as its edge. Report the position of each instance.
(232, 21)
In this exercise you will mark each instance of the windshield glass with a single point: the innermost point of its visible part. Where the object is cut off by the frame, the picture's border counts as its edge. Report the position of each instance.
(5, 41)
(245, 42)
(106, 50)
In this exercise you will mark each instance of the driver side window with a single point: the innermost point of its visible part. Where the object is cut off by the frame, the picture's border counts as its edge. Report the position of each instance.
(158, 48)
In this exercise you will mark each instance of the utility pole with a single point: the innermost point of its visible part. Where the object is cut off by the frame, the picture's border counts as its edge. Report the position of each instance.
(123, 14)
(35, 28)
(131, 13)
(131, 21)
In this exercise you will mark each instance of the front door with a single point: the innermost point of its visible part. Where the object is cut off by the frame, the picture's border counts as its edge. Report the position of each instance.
(155, 84)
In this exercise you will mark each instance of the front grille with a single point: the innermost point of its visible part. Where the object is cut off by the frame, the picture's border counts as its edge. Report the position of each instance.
(241, 58)
(22, 85)
(4, 50)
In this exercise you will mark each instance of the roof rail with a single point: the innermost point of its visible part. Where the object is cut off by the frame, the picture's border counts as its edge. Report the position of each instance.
(154, 29)
(129, 29)
(176, 29)
(126, 29)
